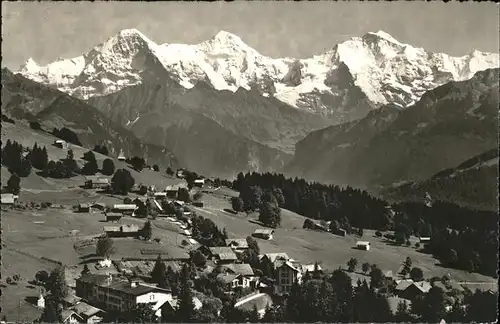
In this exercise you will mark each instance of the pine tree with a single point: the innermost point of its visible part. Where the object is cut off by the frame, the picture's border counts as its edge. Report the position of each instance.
(91, 167)
(185, 311)
(105, 247)
(108, 167)
(158, 274)
(49, 314)
(351, 264)
(57, 285)
(147, 231)
(14, 184)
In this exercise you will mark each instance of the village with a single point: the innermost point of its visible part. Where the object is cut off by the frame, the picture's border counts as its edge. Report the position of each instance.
(164, 219)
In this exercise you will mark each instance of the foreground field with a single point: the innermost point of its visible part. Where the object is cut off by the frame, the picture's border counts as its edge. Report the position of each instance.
(32, 236)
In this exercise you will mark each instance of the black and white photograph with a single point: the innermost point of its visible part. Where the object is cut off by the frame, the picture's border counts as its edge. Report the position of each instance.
(249, 162)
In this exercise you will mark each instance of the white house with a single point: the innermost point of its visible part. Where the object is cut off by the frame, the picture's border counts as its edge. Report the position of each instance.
(425, 239)
(40, 302)
(363, 245)
(8, 199)
(61, 144)
(120, 295)
(199, 183)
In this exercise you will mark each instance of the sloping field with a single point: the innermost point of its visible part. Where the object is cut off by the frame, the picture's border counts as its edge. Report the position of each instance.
(329, 250)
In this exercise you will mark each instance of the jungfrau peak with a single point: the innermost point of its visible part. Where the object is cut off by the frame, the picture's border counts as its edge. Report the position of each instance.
(353, 77)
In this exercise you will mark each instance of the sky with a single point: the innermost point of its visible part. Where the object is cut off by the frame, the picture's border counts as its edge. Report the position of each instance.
(46, 31)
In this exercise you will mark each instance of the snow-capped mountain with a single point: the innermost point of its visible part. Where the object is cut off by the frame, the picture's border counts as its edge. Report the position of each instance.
(346, 82)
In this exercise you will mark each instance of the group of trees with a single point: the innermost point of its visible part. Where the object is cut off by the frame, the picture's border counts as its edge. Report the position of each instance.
(38, 157)
(58, 289)
(138, 163)
(314, 200)
(13, 159)
(205, 231)
(267, 201)
(67, 135)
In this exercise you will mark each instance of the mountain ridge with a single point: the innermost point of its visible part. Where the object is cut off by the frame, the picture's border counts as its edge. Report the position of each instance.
(28, 100)
(445, 127)
(380, 70)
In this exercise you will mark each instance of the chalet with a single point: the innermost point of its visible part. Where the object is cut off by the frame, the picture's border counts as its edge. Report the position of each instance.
(127, 209)
(96, 182)
(198, 204)
(238, 245)
(160, 195)
(121, 157)
(8, 199)
(98, 206)
(212, 252)
(363, 245)
(171, 193)
(266, 234)
(70, 300)
(339, 232)
(120, 295)
(322, 226)
(245, 270)
(231, 281)
(408, 289)
(260, 301)
(113, 217)
(287, 272)
(129, 230)
(89, 314)
(199, 183)
(424, 239)
(70, 317)
(179, 203)
(61, 144)
(84, 208)
(225, 258)
(187, 233)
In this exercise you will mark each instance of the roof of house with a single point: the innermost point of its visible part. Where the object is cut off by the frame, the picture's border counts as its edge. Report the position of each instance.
(113, 214)
(85, 309)
(93, 278)
(125, 206)
(84, 205)
(227, 277)
(238, 243)
(260, 300)
(129, 228)
(99, 204)
(216, 250)
(72, 299)
(66, 313)
(264, 231)
(294, 265)
(7, 198)
(140, 289)
(244, 269)
(274, 256)
(362, 243)
(423, 286)
(111, 228)
(227, 256)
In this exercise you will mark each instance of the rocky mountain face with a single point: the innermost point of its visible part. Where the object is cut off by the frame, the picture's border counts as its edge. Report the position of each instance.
(344, 83)
(217, 133)
(445, 127)
(473, 183)
(27, 100)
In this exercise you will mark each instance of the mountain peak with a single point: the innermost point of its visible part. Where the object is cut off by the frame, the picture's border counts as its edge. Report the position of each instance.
(30, 64)
(381, 35)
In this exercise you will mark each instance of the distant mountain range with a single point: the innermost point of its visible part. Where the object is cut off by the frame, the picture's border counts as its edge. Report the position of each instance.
(446, 126)
(369, 112)
(27, 100)
(345, 82)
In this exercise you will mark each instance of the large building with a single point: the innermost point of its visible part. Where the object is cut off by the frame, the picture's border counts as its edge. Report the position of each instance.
(113, 294)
